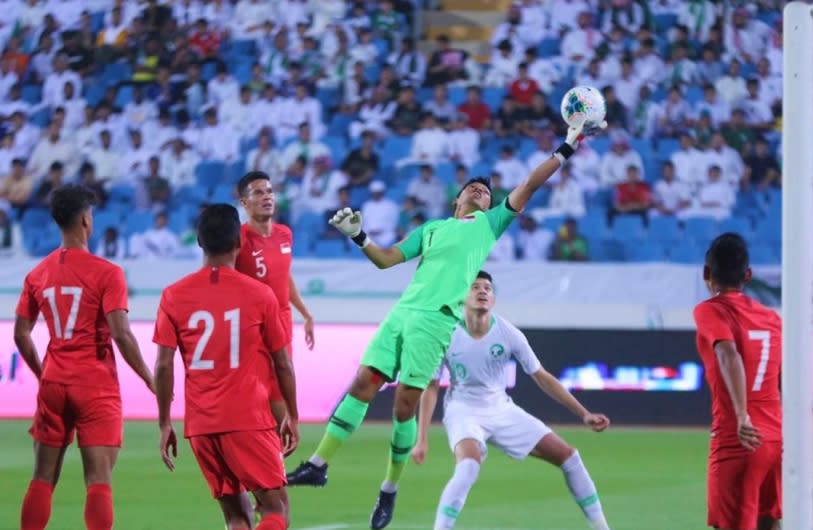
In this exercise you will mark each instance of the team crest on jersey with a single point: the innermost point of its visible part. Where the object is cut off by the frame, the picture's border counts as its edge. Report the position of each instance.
(459, 371)
(497, 351)
(285, 248)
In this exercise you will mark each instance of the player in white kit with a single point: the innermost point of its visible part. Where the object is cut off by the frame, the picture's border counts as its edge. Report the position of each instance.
(479, 411)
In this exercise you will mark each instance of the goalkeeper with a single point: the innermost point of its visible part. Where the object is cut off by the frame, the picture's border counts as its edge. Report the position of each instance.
(411, 341)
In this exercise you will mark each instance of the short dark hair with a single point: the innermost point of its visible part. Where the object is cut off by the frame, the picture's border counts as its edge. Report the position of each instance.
(248, 178)
(219, 229)
(69, 202)
(727, 259)
(476, 180)
(485, 276)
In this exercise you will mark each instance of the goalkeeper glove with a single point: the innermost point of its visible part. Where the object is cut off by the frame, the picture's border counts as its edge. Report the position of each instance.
(348, 223)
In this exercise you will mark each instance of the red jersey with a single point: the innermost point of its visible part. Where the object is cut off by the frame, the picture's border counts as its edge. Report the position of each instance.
(757, 332)
(75, 291)
(478, 114)
(632, 192)
(523, 90)
(268, 259)
(226, 326)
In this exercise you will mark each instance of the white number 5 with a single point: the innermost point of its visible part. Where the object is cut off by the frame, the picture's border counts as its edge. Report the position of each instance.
(233, 318)
(259, 262)
(764, 337)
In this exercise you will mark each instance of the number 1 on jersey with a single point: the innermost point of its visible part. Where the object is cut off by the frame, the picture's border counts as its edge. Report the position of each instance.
(76, 294)
(233, 318)
(764, 337)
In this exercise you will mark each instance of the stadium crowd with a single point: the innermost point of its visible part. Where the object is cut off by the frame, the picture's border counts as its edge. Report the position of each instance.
(162, 106)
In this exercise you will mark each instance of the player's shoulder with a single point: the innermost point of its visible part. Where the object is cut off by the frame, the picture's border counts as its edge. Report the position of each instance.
(283, 229)
(506, 327)
(249, 287)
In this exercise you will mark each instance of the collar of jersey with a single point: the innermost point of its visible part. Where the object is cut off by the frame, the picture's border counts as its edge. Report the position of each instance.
(490, 325)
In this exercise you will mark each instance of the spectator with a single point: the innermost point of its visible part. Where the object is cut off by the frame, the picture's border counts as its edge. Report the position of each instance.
(504, 65)
(715, 197)
(428, 190)
(52, 148)
(134, 160)
(160, 133)
(687, 162)
(187, 12)
(737, 134)
(523, 88)
(111, 42)
(53, 179)
(461, 176)
(365, 50)
(567, 197)
(569, 244)
(540, 116)
(463, 142)
(53, 88)
(761, 168)
(410, 210)
(241, 115)
(6, 231)
(147, 59)
(758, 114)
(139, 111)
(512, 169)
(645, 114)
(222, 87)
(616, 113)
(362, 163)
(730, 162)
(440, 106)
(87, 177)
(674, 116)
(648, 65)
(14, 103)
(770, 86)
(320, 188)
(672, 196)
(477, 112)
(112, 245)
(179, 165)
(542, 70)
(218, 142)
(354, 87)
(429, 145)
(731, 86)
(105, 159)
(374, 115)
(699, 16)
(591, 76)
(566, 16)
(265, 158)
(628, 86)
(386, 22)
(303, 107)
(158, 242)
(499, 192)
(156, 187)
(380, 215)
(447, 64)
(625, 14)
(305, 147)
(533, 242)
(544, 150)
(409, 64)
(16, 187)
(718, 110)
(585, 165)
(632, 197)
(743, 39)
(508, 120)
(408, 114)
(579, 45)
(204, 41)
(615, 163)
(709, 69)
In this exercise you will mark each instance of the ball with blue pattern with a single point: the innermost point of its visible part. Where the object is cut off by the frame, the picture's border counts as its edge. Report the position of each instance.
(583, 104)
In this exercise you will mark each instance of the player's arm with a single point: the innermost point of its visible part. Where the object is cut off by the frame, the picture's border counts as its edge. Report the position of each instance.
(348, 223)
(273, 338)
(552, 387)
(128, 345)
(296, 300)
(429, 400)
(520, 195)
(25, 344)
(732, 370)
(164, 390)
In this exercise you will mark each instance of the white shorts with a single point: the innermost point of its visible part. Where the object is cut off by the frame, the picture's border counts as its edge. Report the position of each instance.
(507, 427)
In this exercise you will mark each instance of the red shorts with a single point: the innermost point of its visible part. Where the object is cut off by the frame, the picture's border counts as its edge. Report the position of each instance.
(275, 394)
(95, 413)
(234, 462)
(744, 487)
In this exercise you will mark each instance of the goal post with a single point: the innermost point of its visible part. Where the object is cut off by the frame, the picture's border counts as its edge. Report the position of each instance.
(797, 266)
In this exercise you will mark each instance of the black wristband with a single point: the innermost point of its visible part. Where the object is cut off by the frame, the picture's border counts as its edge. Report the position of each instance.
(360, 239)
(565, 150)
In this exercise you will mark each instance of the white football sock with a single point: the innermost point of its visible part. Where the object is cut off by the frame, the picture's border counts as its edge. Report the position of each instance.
(454, 494)
(584, 491)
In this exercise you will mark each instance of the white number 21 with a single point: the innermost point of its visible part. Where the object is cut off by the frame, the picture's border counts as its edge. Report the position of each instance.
(233, 318)
(764, 337)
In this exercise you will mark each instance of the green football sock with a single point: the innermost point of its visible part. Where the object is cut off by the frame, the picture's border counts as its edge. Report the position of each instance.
(345, 420)
(404, 436)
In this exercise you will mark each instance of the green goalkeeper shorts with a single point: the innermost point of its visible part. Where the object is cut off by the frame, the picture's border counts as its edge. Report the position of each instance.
(412, 343)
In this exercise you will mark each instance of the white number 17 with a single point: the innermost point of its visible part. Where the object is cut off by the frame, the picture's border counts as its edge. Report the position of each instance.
(764, 337)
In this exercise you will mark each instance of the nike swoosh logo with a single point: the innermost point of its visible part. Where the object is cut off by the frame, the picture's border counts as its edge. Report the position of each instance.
(257, 253)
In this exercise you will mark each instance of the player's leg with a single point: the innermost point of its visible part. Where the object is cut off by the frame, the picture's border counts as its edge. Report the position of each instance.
(770, 493)
(426, 335)
(99, 426)
(222, 482)
(52, 431)
(551, 448)
(274, 508)
(467, 440)
(379, 365)
(234, 512)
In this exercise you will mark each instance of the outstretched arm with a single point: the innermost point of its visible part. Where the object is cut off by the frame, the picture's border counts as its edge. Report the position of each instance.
(348, 223)
(552, 387)
(520, 195)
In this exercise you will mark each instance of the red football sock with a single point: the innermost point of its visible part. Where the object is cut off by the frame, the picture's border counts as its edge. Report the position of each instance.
(99, 507)
(272, 521)
(36, 505)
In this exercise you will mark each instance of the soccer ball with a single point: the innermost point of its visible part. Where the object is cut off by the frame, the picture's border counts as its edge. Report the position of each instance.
(584, 104)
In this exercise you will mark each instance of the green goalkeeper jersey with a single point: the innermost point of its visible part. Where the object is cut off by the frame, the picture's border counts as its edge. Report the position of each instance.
(452, 252)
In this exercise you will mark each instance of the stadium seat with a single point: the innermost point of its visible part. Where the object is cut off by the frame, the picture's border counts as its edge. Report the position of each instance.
(664, 22)
(337, 146)
(191, 196)
(457, 95)
(329, 97)
(594, 227)
(600, 144)
(332, 248)
(359, 195)
(701, 230)
(35, 218)
(694, 94)
(123, 96)
(94, 93)
(178, 222)
(665, 147)
(383, 47)
(763, 255)
(115, 73)
(339, 124)
(552, 223)
(223, 193)
(395, 148)
(664, 229)
(493, 96)
(243, 47)
(103, 219)
(604, 250)
(312, 224)
(31, 94)
(628, 228)
(208, 71)
(41, 118)
(138, 222)
(47, 240)
(686, 252)
(769, 230)
(235, 171)
(549, 48)
(122, 193)
(445, 172)
(242, 71)
(644, 252)
(210, 174)
(739, 225)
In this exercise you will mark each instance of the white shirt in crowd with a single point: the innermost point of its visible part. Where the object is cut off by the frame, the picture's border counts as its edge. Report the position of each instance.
(513, 171)
(155, 243)
(380, 219)
(614, 166)
(432, 194)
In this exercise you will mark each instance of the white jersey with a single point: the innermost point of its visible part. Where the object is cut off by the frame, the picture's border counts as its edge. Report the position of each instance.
(478, 367)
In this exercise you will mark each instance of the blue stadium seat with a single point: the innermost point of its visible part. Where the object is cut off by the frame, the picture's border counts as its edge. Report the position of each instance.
(41, 118)
(123, 96)
(763, 255)
(191, 195)
(480, 169)
(527, 147)
(694, 94)
(138, 222)
(178, 222)
(328, 97)
(600, 144)
(664, 22)
(594, 227)
(549, 48)
(337, 146)
(603, 250)
(242, 71)
(665, 147)
(31, 94)
(223, 193)
(115, 73)
(644, 252)
(359, 195)
(331, 248)
(210, 174)
(46, 241)
(243, 47)
(372, 72)
(457, 95)
(769, 230)
(122, 193)
(628, 228)
(552, 223)
(739, 225)
(445, 171)
(394, 149)
(35, 218)
(103, 219)
(339, 124)
(94, 93)
(235, 171)
(97, 21)
(208, 71)
(664, 229)
(701, 230)
(383, 47)
(686, 252)
(493, 96)
(312, 224)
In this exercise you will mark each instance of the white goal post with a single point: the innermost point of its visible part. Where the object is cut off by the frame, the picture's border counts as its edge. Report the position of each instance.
(797, 266)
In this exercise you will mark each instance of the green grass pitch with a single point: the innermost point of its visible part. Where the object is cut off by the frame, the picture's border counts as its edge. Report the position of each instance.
(647, 479)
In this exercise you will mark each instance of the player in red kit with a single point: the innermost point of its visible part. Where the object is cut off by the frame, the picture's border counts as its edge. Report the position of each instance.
(84, 301)
(265, 254)
(740, 342)
(228, 330)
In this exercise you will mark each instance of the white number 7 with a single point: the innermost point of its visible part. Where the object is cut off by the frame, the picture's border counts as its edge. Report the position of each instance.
(764, 337)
